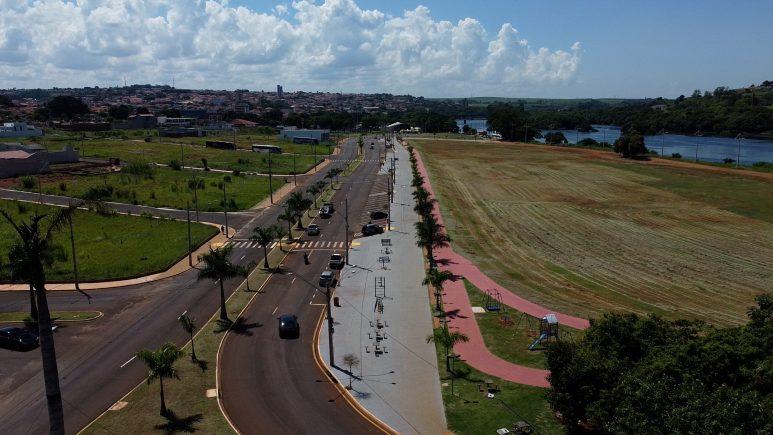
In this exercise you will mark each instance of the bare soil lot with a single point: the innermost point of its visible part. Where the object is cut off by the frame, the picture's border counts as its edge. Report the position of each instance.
(585, 234)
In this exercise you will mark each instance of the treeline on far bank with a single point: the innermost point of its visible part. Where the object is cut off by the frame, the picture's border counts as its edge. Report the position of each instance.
(723, 112)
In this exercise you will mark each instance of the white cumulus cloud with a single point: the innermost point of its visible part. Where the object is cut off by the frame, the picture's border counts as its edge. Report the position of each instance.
(330, 45)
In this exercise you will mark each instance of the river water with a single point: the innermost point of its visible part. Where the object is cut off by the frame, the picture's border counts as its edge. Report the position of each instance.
(708, 148)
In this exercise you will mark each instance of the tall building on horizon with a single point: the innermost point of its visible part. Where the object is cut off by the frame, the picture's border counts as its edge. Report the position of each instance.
(279, 92)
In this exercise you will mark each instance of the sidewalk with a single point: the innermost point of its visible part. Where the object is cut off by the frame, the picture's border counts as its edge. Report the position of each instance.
(397, 380)
(461, 317)
(178, 268)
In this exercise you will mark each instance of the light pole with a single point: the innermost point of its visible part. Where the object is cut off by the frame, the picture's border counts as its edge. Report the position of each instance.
(698, 134)
(346, 233)
(662, 134)
(195, 194)
(225, 210)
(190, 252)
(738, 157)
(329, 326)
(270, 187)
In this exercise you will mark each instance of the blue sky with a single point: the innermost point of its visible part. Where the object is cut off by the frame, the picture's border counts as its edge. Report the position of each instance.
(629, 48)
(434, 48)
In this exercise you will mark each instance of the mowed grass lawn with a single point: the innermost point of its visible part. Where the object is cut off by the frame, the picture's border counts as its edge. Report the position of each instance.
(164, 153)
(583, 236)
(165, 188)
(108, 247)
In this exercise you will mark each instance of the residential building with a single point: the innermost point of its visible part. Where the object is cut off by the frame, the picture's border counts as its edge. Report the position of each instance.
(304, 135)
(17, 159)
(19, 129)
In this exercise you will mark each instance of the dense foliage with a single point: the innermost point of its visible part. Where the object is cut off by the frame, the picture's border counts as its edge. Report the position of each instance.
(630, 145)
(66, 107)
(512, 122)
(630, 374)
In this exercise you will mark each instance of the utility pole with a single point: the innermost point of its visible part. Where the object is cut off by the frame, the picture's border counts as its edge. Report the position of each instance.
(329, 326)
(295, 180)
(190, 252)
(182, 156)
(225, 211)
(346, 233)
(270, 187)
(196, 195)
(738, 158)
(74, 259)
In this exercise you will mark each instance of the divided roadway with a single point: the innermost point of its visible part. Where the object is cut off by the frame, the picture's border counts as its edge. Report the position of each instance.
(95, 358)
(273, 385)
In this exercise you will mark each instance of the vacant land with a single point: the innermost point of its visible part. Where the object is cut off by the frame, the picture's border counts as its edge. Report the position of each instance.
(161, 187)
(584, 236)
(108, 247)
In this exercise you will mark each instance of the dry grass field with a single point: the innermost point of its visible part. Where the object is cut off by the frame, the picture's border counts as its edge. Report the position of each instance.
(583, 234)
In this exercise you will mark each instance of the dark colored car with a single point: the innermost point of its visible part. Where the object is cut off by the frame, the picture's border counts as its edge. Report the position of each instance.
(288, 326)
(336, 261)
(12, 337)
(312, 230)
(378, 214)
(325, 212)
(329, 206)
(372, 229)
(327, 279)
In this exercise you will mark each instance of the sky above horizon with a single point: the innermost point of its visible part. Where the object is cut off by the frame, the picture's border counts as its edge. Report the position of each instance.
(434, 48)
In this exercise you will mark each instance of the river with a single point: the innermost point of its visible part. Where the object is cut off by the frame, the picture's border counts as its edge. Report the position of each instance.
(708, 148)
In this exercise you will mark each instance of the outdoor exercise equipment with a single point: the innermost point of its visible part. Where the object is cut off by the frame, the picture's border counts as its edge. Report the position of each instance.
(548, 327)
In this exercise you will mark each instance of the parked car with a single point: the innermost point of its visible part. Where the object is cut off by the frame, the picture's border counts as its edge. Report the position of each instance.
(15, 338)
(325, 212)
(288, 326)
(312, 230)
(378, 214)
(372, 229)
(327, 279)
(336, 261)
(329, 206)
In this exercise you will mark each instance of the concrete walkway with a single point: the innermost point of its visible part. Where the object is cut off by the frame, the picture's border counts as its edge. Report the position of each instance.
(460, 316)
(397, 380)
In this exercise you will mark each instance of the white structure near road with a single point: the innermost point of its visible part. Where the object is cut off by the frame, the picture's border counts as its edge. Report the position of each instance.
(17, 159)
(19, 129)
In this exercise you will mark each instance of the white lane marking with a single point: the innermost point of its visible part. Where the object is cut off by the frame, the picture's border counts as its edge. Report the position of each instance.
(292, 281)
(274, 312)
(184, 312)
(127, 362)
(242, 257)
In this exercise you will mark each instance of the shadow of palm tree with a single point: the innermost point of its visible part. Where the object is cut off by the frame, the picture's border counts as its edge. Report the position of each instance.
(240, 326)
(454, 314)
(203, 365)
(175, 424)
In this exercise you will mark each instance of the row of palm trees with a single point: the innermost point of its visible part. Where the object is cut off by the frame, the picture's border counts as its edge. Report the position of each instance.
(431, 235)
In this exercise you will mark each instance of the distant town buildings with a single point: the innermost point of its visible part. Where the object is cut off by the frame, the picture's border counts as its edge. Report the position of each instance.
(19, 129)
(17, 159)
(280, 92)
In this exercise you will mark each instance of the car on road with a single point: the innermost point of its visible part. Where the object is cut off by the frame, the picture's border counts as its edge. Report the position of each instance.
(336, 261)
(327, 279)
(288, 326)
(378, 214)
(15, 338)
(312, 230)
(372, 229)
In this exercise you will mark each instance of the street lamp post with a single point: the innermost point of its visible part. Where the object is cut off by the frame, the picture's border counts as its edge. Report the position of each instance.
(225, 210)
(190, 252)
(738, 157)
(329, 325)
(662, 134)
(270, 187)
(698, 134)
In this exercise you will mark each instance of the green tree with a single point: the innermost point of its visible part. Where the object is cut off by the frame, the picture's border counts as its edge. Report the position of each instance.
(448, 339)
(288, 215)
(64, 106)
(189, 326)
(436, 278)
(34, 251)
(315, 189)
(298, 204)
(218, 267)
(630, 145)
(351, 361)
(160, 364)
(555, 138)
(264, 237)
(430, 235)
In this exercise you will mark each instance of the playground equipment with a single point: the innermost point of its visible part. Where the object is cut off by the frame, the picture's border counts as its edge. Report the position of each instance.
(493, 300)
(548, 327)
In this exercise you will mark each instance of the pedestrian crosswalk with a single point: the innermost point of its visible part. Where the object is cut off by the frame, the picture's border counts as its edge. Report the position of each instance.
(310, 244)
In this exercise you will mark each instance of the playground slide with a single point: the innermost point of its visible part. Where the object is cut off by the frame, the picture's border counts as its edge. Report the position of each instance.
(543, 336)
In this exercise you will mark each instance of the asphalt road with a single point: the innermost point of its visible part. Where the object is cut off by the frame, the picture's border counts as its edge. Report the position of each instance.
(95, 358)
(273, 385)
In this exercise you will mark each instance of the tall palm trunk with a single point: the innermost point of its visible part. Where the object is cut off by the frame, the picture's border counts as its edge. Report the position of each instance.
(33, 304)
(265, 257)
(48, 354)
(163, 400)
(223, 312)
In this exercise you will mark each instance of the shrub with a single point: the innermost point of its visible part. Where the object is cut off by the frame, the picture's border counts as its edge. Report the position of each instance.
(227, 178)
(237, 172)
(762, 165)
(198, 184)
(630, 145)
(555, 138)
(676, 155)
(152, 194)
(28, 182)
(96, 193)
(174, 164)
(22, 207)
(63, 186)
(139, 169)
(728, 161)
(588, 142)
(205, 163)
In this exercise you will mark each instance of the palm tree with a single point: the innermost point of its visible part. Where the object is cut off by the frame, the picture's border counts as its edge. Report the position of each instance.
(188, 324)
(430, 236)
(288, 215)
(436, 278)
(298, 204)
(264, 237)
(314, 190)
(218, 267)
(279, 232)
(160, 365)
(425, 208)
(33, 251)
(448, 340)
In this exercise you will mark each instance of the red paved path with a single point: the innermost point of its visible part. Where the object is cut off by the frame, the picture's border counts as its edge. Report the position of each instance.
(461, 317)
